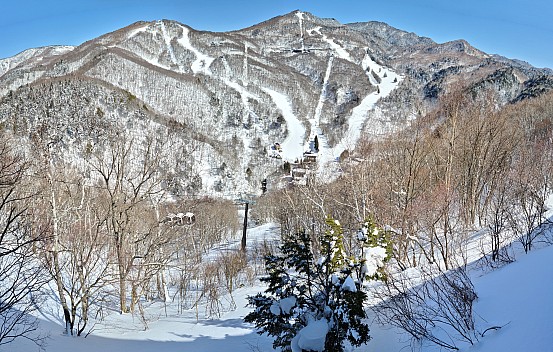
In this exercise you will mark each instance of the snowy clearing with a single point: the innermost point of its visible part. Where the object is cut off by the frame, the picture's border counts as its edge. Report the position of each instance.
(300, 18)
(167, 40)
(360, 114)
(292, 146)
(202, 62)
(525, 325)
(340, 51)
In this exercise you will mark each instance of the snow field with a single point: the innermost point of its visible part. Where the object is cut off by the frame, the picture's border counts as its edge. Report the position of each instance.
(360, 115)
(296, 141)
(167, 40)
(202, 62)
(292, 146)
(300, 18)
(516, 298)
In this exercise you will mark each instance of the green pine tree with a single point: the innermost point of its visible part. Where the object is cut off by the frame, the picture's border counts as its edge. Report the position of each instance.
(376, 246)
(301, 289)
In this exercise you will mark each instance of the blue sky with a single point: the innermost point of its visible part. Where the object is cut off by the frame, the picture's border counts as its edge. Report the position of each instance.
(521, 29)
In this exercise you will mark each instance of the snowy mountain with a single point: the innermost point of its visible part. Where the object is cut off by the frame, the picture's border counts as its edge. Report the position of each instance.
(230, 98)
(125, 137)
(33, 57)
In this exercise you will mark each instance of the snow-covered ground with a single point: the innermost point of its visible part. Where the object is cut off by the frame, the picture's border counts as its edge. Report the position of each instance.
(202, 62)
(300, 19)
(167, 40)
(360, 114)
(516, 297)
(292, 146)
(360, 118)
(168, 330)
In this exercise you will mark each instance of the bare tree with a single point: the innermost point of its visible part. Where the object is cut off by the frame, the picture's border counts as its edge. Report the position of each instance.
(527, 207)
(21, 276)
(404, 178)
(434, 305)
(129, 176)
(75, 253)
(497, 220)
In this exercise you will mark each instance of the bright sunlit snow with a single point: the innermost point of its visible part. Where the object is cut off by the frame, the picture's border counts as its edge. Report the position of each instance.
(300, 18)
(202, 62)
(514, 301)
(360, 114)
(292, 146)
(167, 40)
(349, 285)
(340, 51)
(374, 259)
(311, 337)
(516, 298)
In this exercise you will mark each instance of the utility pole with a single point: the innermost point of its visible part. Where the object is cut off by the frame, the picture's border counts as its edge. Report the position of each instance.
(246, 201)
(245, 228)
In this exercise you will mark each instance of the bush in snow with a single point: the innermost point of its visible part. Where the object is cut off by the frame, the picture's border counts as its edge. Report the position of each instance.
(316, 305)
(430, 305)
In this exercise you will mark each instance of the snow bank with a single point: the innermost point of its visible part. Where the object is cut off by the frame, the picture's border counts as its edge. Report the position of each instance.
(518, 298)
(312, 337)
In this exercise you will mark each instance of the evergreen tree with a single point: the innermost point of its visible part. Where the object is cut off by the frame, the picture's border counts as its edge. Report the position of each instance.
(286, 167)
(312, 304)
(375, 250)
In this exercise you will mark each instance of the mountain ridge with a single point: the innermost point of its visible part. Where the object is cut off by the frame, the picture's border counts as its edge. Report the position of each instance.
(221, 87)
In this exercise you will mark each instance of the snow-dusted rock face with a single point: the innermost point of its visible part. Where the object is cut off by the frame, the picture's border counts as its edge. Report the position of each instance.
(231, 97)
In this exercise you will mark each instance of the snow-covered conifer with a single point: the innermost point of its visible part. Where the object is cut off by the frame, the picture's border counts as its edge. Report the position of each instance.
(314, 304)
(375, 250)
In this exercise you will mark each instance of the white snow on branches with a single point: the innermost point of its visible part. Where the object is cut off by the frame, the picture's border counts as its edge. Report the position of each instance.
(374, 259)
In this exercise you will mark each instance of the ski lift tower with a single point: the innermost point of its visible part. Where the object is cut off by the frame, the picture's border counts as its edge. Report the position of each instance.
(245, 199)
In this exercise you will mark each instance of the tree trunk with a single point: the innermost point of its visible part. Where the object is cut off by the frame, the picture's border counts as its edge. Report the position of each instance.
(84, 313)
(122, 287)
(57, 269)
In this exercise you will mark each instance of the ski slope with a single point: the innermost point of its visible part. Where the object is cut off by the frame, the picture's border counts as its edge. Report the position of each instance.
(292, 146)
(167, 41)
(360, 115)
(202, 62)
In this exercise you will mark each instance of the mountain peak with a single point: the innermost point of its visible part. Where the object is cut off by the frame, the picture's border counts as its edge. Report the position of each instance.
(236, 96)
